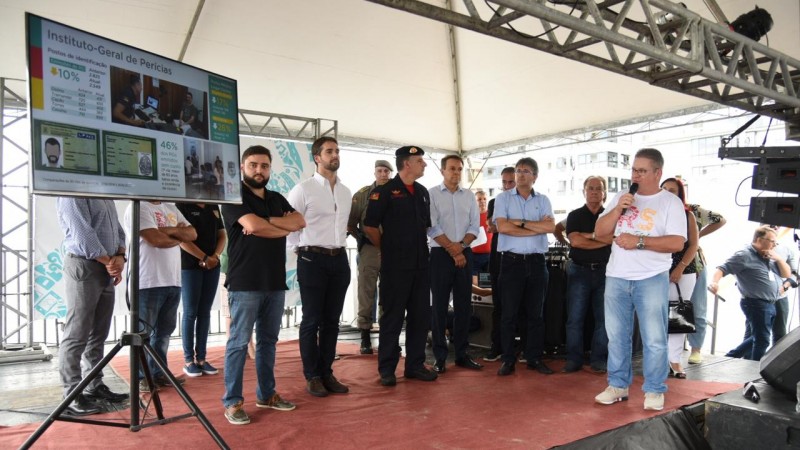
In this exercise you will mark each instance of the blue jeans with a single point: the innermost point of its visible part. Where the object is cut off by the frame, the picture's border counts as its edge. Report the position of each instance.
(263, 309)
(446, 278)
(700, 305)
(198, 289)
(649, 299)
(524, 285)
(760, 315)
(323, 286)
(585, 293)
(158, 310)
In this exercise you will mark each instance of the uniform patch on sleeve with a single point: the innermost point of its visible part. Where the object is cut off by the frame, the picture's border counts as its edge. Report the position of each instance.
(375, 196)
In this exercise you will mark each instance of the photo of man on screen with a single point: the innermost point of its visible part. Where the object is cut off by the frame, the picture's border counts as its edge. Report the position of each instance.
(52, 153)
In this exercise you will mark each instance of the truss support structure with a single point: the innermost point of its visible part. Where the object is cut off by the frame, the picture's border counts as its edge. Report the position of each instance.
(16, 306)
(282, 126)
(655, 41)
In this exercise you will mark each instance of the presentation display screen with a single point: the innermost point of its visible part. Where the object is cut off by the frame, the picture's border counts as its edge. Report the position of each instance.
(110, 120)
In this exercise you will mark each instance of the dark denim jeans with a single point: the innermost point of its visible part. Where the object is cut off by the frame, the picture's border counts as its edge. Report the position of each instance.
(158, 315)
(446, 278)
(264, 309)
(585, 290)
(323, 283)
(760, 315)
(524, 283)
(198, 289)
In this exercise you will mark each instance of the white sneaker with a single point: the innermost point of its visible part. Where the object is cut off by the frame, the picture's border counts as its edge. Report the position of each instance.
(695, 358)
(612, 395)
(653, 401)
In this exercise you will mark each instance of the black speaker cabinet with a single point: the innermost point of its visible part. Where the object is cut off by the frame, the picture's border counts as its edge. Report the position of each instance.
(780, 366)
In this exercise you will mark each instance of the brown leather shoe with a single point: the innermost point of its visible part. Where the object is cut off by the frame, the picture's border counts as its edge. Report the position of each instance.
(333, 385)
(315, 387)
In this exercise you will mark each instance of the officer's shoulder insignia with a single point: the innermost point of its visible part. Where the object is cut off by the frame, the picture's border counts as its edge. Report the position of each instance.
(375, 196)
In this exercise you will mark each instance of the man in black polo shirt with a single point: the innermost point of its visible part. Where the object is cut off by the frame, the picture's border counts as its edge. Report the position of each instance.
(256, 282)
(587, 278)
(402, 208)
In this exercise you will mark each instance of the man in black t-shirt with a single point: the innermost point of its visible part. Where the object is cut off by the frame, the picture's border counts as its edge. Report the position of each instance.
(587, 278)
(256, 282)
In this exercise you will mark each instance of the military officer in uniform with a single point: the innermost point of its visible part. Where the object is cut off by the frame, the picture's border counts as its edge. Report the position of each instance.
(369, 259)
(401, 208)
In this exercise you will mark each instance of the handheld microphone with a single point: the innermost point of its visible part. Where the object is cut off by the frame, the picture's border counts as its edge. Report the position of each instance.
(634, 187)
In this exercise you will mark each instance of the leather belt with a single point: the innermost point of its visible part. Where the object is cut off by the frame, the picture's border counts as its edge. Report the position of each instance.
(760, 299)
(522, 257)
(590, 265)
(322, 250)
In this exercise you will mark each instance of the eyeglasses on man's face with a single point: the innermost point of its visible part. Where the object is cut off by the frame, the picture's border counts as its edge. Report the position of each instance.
(639, 171)
(523, 172)
(771, 241)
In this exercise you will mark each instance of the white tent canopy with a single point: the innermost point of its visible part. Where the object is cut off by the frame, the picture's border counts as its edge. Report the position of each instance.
(385, 75)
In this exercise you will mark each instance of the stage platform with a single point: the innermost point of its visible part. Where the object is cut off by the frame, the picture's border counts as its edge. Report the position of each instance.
(32, 390)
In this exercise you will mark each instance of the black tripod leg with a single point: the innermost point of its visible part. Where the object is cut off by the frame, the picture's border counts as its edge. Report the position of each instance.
(71, 396)
(186, 399)
(151, 382)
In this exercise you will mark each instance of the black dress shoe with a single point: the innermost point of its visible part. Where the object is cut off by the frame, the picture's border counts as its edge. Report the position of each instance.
(102, 392)
(540, 367)
(422, 374)
(571, 366)
(468, 363)
(388, 380)
(333, 385)
(506, 369)
(440, 367)
(366, 343)
(315, 387)
(82, 406)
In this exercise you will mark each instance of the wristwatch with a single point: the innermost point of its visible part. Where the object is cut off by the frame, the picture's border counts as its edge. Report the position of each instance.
(522, 224)
(123, 256)
(463, 245)
(640, 244)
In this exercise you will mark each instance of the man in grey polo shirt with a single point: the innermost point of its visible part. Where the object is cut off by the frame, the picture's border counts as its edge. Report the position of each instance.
(759, 272)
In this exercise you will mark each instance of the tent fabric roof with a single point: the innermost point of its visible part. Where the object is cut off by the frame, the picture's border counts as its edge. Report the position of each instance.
(385, 75)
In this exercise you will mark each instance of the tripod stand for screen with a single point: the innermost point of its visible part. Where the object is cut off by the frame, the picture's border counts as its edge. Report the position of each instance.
(139, 345)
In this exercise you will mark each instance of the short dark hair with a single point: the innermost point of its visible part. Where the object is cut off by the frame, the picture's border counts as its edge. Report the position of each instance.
(133, 79)
(316, 147)
(653, 155)
(52, 141)
(507, 170)
(449, 157)
(400, 160)
(256, 150)
(530, 162)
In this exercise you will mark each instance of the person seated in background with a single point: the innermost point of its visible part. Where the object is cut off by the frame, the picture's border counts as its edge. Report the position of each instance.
(125, 104)
(189, 117)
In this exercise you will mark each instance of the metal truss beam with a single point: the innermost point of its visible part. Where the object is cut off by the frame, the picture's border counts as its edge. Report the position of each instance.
(282, 126)
(655, 41)
(16, 306)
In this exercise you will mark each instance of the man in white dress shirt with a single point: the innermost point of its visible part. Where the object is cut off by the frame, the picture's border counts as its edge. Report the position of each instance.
(323, 270)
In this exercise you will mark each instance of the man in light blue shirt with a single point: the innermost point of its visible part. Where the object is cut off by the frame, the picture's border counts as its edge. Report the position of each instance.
(523, 218)
(455, 222)
(94, 243)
